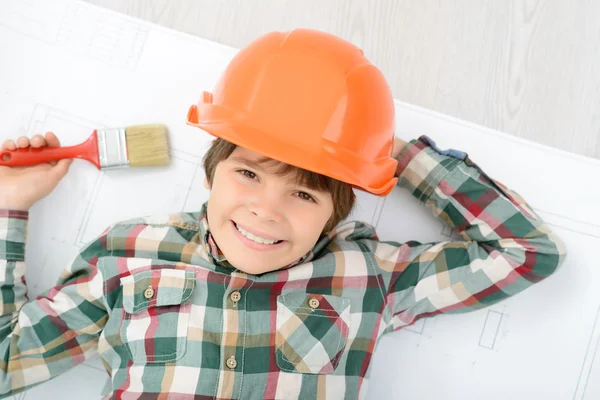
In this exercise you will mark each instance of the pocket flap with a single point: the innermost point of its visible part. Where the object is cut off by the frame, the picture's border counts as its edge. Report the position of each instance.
(157, 287)
(328, 305)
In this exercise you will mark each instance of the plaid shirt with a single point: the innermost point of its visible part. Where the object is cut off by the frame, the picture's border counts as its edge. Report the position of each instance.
(169, 315)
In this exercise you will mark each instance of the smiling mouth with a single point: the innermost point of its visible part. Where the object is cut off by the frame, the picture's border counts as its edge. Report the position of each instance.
(254, 238)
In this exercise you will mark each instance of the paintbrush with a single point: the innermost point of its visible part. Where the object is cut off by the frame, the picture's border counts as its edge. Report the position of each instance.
(134, 146)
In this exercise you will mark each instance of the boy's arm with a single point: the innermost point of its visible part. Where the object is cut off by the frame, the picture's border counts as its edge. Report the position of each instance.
(506, 247)
(42, 338)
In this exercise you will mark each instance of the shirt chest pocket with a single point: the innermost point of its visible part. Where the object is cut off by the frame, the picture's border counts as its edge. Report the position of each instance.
(312, 332)
(156, 314)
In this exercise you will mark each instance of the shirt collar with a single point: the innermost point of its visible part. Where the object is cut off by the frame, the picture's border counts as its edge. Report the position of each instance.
(217, 255)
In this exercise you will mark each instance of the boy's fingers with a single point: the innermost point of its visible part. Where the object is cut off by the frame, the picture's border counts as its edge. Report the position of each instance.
(22, 142)
(9, 144)
(52, 140)
(37, 141)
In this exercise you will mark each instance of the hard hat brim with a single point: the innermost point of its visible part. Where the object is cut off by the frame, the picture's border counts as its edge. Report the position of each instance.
(332, 161)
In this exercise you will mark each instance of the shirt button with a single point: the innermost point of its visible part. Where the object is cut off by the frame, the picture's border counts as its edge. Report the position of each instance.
(313, 303)
(148, 293)
(231, 363)
(235, 296)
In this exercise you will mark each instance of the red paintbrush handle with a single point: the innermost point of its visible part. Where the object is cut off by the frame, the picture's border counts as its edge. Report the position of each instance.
(87, 150)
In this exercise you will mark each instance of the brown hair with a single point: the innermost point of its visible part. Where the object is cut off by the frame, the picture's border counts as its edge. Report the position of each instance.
(341, 192)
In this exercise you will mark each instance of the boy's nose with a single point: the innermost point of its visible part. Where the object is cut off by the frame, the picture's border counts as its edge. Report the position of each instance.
(267, 207)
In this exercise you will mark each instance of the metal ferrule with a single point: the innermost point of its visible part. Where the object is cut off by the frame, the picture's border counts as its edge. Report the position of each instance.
(112, 148)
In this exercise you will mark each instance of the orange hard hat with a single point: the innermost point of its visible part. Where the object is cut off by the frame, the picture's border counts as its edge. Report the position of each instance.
(308, 99)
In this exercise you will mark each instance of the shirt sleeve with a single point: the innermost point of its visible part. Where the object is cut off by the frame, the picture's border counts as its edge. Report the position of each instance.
(506, 247)
(44, 337)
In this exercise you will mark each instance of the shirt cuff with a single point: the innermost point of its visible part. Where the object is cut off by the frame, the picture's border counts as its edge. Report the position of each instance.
(13, 234)
(422, 165)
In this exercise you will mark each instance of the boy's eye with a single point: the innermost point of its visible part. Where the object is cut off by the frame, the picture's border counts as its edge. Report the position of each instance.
(248, 174)
(302, 195)
(305, 196)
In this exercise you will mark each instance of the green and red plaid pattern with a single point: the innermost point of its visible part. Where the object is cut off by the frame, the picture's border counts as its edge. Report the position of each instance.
(156, 313)
(311, 340)
(172, 319)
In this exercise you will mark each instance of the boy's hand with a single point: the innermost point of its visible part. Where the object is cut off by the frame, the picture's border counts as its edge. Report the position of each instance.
(22, 187)
(398, 146)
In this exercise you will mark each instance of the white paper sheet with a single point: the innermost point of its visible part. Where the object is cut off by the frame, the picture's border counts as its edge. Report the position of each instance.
(69, 67)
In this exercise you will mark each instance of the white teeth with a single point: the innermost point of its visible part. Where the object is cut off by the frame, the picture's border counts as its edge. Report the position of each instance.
(254, 238)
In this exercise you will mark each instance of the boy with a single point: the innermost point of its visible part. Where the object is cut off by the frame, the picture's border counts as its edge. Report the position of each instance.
(262, 293)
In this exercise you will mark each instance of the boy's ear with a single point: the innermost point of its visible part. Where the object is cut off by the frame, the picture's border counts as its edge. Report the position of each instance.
(206, 184)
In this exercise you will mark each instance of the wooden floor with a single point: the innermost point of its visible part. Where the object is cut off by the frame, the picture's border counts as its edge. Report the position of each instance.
(527, 68)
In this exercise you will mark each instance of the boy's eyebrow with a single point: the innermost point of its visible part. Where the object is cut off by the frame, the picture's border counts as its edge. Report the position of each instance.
(250, 163)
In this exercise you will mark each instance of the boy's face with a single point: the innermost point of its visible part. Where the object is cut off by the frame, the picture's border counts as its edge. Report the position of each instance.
(250, 205)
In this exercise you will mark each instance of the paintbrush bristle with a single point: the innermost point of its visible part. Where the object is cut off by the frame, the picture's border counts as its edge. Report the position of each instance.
(147, 145)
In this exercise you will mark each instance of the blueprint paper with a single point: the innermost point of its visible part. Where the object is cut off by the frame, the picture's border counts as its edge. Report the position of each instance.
(70, 67)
